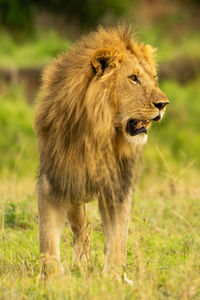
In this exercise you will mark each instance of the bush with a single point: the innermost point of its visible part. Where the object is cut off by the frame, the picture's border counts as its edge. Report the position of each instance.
(16, 14)
(19, 14)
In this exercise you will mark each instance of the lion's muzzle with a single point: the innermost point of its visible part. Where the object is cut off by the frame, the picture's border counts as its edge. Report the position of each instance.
(134, 127)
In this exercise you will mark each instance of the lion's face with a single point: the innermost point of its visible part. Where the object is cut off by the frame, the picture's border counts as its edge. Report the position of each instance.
(140, 101)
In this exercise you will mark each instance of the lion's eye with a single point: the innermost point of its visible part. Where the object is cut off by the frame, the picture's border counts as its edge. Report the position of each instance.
(134, 78)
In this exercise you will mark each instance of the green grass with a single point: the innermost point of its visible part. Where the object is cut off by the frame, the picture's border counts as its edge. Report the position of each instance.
(163, 246)
(164, 242)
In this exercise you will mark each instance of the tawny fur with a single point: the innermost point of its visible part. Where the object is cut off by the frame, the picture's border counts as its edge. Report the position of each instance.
(85, 101)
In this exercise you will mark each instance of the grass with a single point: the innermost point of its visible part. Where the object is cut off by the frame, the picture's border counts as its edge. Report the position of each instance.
(163, 246)
(164, 243)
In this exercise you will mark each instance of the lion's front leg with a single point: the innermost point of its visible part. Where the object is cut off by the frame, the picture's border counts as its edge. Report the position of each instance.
(51, 222)
(77, 219)
(115, 218)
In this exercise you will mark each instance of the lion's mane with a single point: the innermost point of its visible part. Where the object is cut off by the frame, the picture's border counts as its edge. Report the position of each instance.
(79, 155)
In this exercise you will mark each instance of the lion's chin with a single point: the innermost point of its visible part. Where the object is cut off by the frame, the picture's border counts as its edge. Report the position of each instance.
(139, 139)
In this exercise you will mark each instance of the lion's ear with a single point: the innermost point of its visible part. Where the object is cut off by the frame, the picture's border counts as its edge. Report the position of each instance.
(149, 53)
(102, 58)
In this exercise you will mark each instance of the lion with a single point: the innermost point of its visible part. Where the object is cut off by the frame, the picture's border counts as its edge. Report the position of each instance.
(96, 105)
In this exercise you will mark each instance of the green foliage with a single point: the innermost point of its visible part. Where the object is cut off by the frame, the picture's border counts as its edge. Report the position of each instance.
(19, 14)
(16, 15)
(168, 46)
(10, 214)
(89, 12)
(177, 134)
(17, 142)
(35, 51)
(19, 216)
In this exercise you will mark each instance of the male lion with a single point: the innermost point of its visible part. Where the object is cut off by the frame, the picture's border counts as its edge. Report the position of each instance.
(97, 103)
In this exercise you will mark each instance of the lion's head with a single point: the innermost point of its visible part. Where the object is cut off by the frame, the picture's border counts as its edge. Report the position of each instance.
(129, 72)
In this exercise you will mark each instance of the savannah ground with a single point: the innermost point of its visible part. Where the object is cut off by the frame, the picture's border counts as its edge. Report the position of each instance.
(164, 233)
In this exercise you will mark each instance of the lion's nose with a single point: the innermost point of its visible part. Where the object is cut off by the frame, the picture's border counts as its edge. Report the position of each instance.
(160, 105)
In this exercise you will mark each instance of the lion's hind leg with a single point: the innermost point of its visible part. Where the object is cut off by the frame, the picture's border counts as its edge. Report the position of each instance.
(77, 219)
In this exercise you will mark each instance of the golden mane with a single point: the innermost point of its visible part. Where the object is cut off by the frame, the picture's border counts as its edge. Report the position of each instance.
(74, 118)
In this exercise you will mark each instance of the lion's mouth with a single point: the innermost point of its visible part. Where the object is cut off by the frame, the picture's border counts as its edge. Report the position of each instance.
(135, 127)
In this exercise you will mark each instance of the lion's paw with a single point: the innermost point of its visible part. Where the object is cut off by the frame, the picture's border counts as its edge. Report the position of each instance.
(50, 267)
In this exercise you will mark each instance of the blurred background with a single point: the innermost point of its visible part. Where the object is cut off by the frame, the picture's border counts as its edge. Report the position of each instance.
(166, 204)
